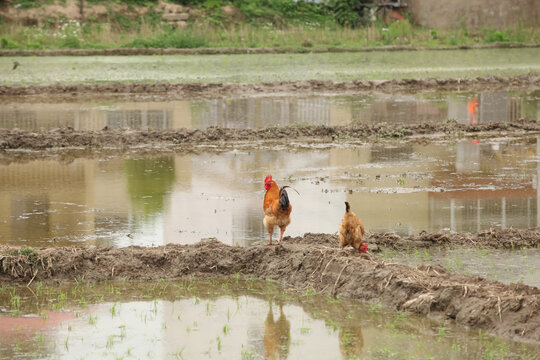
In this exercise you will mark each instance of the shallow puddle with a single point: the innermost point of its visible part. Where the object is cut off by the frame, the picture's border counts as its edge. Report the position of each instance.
(230, 319)
(261, 112)
(407, 187)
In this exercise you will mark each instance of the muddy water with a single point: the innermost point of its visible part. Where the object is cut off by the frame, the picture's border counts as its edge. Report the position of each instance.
(223, 320)
(249, 113)
(470, 185)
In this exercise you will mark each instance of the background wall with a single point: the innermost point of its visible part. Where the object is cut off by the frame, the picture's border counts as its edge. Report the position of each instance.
(475, 14)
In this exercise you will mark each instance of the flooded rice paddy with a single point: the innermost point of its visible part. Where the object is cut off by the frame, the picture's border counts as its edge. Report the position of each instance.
(463, 186)
(255, 68)
(261, 112)
(223, 320)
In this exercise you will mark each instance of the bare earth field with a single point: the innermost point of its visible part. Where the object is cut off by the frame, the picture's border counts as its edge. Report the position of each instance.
(314, 262)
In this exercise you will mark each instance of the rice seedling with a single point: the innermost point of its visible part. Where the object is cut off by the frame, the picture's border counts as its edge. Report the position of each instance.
(226, 329)
(218, 339)
(332, 324)
(246, 354)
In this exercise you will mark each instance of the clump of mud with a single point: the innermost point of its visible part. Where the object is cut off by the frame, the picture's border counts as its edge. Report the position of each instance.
(186, 138)
(313, 261)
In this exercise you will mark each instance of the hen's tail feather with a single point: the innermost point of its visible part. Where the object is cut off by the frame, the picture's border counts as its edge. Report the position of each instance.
(347, 206)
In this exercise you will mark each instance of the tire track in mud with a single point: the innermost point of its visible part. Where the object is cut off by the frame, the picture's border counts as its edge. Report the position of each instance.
(313, 261)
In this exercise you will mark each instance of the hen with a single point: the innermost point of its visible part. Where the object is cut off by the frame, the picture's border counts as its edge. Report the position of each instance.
(277, 208)
(351, 230)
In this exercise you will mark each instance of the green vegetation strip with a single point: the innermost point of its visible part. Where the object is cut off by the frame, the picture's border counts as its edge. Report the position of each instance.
(259, 68)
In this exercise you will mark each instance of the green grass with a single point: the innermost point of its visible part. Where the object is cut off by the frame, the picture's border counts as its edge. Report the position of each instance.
(179, 40)
(150, 32)
(255, 68)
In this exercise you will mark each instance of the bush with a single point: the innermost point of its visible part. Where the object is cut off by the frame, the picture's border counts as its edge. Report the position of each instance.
(71, 42)
(8, 44)
(26, 4)
(351, 13)
(496, 36)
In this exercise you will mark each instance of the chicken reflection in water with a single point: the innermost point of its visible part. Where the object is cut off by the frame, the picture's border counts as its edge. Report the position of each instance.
(277, 335)
(351, 341)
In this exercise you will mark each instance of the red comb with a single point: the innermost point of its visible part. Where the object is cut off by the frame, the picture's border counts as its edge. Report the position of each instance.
(268, 178)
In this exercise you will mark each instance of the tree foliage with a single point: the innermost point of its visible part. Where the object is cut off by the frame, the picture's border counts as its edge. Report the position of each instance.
(351, 13)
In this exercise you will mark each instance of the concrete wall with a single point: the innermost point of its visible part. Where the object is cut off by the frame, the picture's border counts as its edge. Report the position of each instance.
(475, 14)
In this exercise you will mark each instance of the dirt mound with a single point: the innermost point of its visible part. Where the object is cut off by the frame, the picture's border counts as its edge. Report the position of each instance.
(499, 239)
(186, 138)
(310, 262)
(222, 90)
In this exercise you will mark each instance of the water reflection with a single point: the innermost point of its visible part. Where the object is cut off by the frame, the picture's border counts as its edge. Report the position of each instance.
(277, 335)
(222, 321)
(468, 186)
(375, 108)
(351, 341)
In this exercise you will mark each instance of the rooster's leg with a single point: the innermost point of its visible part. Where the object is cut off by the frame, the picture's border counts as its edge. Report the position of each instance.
(270, 242)
(281, 236)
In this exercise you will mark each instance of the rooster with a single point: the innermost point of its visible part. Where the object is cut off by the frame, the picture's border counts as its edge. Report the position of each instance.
(277, 208)
(351, 231)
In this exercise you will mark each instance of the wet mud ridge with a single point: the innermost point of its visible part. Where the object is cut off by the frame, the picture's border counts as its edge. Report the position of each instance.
(313, 261)
(496, 239)
(260, 50)
(187, 91)
(189, 138)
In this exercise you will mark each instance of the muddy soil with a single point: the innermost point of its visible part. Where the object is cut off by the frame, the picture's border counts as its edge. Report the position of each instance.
(188, 91)
(314, 262)
(185, 139)
(497, 239)
(260, 50)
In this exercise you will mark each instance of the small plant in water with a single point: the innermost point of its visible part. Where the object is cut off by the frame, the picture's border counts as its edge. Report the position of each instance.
(332, 324)
(347, 339)
(218, 344)
(442, 332)
(246, 354)
(15, 301)
(178, 353)
(113, 310)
